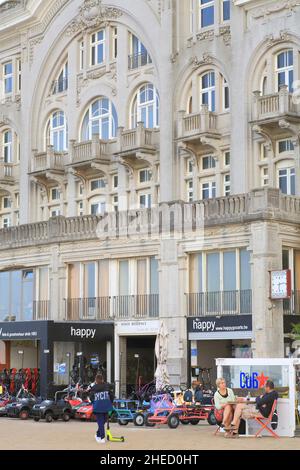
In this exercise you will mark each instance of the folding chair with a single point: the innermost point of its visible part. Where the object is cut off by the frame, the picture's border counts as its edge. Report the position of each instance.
(265, 422)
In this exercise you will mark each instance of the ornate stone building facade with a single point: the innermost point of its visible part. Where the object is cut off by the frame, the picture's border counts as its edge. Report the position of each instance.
(149, 170)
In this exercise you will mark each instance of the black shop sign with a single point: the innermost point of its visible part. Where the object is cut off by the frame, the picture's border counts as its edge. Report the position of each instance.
(223, 327)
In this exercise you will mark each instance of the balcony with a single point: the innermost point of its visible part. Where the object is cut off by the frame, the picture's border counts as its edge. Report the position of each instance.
(37, 310)
(9, 173)
(41, 310)
(292, 306)
(48, 166)
(139, 307)
(202, 304)
(138, 60)
(89, 155)
(268, 110)
(93, 308)
(109, 308)
(191, 127)
(137, 144)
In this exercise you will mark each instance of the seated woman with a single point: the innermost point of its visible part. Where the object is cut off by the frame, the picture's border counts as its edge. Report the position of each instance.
(224, 399)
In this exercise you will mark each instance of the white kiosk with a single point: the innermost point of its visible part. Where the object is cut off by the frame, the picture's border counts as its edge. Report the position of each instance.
(248, 376)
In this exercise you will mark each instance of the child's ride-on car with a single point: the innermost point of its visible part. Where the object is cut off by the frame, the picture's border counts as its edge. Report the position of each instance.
(21, 408)
(52, 410)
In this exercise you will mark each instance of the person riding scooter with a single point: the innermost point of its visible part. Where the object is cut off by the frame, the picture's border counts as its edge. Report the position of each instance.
(102, 398)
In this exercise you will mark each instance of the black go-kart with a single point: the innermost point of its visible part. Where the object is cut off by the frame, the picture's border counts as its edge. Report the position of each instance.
(50, 410)
(21, 407)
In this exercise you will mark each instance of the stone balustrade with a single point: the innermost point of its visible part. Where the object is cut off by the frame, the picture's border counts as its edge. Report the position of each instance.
(90, 150)
(190, 125)
(8, 172)
(186, 219)
(274, 105)
(138, 138)
(49, 160)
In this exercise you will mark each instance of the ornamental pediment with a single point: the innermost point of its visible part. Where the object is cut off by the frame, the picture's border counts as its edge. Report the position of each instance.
(92, 14)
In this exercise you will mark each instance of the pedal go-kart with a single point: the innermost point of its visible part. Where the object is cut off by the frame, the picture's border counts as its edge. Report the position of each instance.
(127, 411)
(50, 410)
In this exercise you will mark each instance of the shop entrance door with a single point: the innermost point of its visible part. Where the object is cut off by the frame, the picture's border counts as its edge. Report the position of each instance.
(140, 361)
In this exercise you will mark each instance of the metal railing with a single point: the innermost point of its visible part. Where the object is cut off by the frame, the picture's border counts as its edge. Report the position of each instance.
(138, 60)
(117, 307)
(41, 310)
(58, 86)
(292, 306)
(219, 303)
(136, 306)
(88, 308)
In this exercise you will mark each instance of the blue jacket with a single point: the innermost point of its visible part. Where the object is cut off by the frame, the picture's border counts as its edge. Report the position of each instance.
(102, 398)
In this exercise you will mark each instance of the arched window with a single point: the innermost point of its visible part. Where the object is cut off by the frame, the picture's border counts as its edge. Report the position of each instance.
(57, 131)
(285, 69)
(7, 146)
(100, 119)
(145, 107)
(208, 90)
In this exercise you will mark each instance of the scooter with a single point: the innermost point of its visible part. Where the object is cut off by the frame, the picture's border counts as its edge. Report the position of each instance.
(110, 437)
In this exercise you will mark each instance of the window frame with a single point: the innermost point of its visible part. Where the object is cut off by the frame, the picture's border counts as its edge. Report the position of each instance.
(8, 77)
(210, 90)
(138, 106)
(286, 69)
(94, 47)
(209, 4)
(86, 132)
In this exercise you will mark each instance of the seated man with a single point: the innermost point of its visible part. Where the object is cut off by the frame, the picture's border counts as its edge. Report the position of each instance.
(263, 407)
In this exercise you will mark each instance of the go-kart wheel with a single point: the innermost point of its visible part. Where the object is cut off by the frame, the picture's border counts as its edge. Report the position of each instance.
(194, 421)
(147, 422)
(66, 417)
(123, 422)
(24, 414)
(185, 421)
(139, 419)
(173, 421)
(49, 417)
(36, 419)
(211, 419)
(55, 418)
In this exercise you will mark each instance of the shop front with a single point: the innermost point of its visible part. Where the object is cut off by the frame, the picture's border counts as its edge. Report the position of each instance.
(247, 377)
(58, 350)
(210, 337)
(135, 361)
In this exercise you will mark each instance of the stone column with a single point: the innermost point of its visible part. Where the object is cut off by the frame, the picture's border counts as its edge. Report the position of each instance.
(166, 106)
(266, 245)
(171, 274)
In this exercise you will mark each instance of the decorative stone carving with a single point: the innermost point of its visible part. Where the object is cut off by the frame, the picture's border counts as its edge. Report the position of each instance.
(276, 7)
(91, 15)
(272, 40)
(173, 57)
(83, 80)
(206, 59)
(4, 121)
(32, 43)
(206, 35)
(224, 32)
(9, 4)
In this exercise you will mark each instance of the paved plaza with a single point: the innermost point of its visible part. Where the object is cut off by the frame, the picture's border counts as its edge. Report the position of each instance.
(28, 435)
